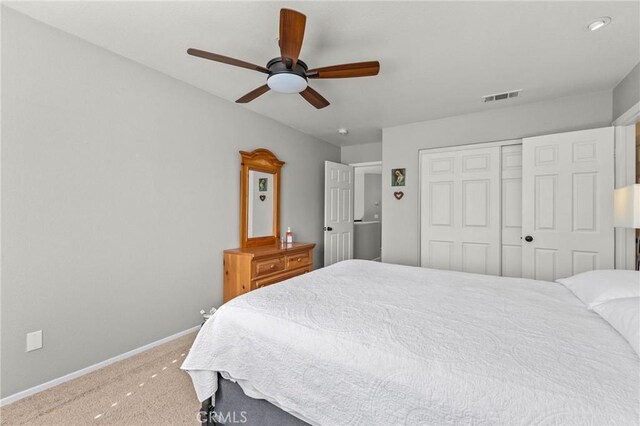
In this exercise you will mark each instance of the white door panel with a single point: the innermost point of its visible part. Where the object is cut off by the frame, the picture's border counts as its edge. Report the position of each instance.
(511, 260)
(460, 210)
(439, 228)
(338, 212)
(511, 216)
(567, 203)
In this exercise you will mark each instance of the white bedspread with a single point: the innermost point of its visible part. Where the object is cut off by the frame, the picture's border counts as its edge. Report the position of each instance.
(365, 343)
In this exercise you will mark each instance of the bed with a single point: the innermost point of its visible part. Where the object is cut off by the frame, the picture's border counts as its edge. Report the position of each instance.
(363, 343)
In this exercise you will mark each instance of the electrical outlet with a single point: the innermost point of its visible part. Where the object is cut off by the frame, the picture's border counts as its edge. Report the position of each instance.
(34, 340)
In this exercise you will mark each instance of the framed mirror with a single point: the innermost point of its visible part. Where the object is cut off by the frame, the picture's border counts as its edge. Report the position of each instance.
(259, 198)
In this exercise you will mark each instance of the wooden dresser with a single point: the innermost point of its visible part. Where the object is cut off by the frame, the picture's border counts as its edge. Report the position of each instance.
(247, 269)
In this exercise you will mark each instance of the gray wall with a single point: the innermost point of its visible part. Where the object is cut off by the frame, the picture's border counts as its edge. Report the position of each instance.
(119, 193)
(627, 93)
(372, 196)
(358, 195)
(401, 145)
(366, 244)
(364, 153)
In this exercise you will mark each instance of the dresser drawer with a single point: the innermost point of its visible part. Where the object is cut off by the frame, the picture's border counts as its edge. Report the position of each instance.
(280, 277)
(269, 266)
(248, 268)
(297, 260)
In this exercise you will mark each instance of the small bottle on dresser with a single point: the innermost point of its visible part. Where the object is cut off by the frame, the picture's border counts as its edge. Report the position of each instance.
(289, 236)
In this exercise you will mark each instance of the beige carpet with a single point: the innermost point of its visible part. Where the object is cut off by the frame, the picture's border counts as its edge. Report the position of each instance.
(148, 388)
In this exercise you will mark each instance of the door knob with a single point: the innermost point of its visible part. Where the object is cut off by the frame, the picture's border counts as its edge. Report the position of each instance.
(328, 228)
(528, 238)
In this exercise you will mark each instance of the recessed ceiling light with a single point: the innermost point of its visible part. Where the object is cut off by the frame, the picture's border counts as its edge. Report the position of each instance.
(343, 132)
(596, 24)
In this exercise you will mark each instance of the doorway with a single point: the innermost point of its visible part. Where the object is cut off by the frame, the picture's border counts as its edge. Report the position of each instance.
(367, 211)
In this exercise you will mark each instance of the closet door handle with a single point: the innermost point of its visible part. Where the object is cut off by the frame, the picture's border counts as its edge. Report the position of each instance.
(328, 228)
(528, 238)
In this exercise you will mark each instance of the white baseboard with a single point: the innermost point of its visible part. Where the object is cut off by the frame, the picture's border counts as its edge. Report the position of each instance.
(44, 386)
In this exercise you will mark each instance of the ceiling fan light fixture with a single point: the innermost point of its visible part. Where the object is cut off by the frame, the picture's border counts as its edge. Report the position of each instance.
(287, 73)
(287, 83)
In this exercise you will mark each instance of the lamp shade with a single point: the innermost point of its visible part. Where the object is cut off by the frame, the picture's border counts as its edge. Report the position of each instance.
(626, 210)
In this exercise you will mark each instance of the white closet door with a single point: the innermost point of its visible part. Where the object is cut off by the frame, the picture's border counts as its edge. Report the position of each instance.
(460, 210)
(512, 210)
(440, 228)
(567, 205)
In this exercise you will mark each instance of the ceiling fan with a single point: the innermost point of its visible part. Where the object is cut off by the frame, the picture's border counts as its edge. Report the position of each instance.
(288, 74)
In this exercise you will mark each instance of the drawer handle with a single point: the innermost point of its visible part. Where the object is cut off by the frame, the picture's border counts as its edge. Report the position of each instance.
(299, 259)
(272, 266)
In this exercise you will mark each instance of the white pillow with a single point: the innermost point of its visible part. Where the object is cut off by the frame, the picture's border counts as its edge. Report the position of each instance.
(595, 287)
(624, 316)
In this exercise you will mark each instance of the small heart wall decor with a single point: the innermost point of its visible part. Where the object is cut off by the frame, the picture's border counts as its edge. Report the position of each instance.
(398, 195)
(263, 197)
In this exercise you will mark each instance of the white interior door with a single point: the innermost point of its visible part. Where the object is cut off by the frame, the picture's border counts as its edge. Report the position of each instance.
(567, 203)
(460, 210)
(338, 212)
(511, 217)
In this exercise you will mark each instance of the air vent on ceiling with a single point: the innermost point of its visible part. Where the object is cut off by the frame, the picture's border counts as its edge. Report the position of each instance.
(502, 96)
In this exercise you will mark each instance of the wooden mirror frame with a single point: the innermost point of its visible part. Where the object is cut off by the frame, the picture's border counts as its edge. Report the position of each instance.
(259, 160)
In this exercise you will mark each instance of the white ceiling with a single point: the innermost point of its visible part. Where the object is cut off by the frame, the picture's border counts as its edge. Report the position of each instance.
(437, 58)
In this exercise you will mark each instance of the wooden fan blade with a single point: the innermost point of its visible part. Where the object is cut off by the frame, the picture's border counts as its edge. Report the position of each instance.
(226, 60)
(253, 94)
(358, 69)
(292, 25)
(314, 98)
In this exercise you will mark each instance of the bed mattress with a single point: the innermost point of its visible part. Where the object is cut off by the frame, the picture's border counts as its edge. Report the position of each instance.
(367, 343)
